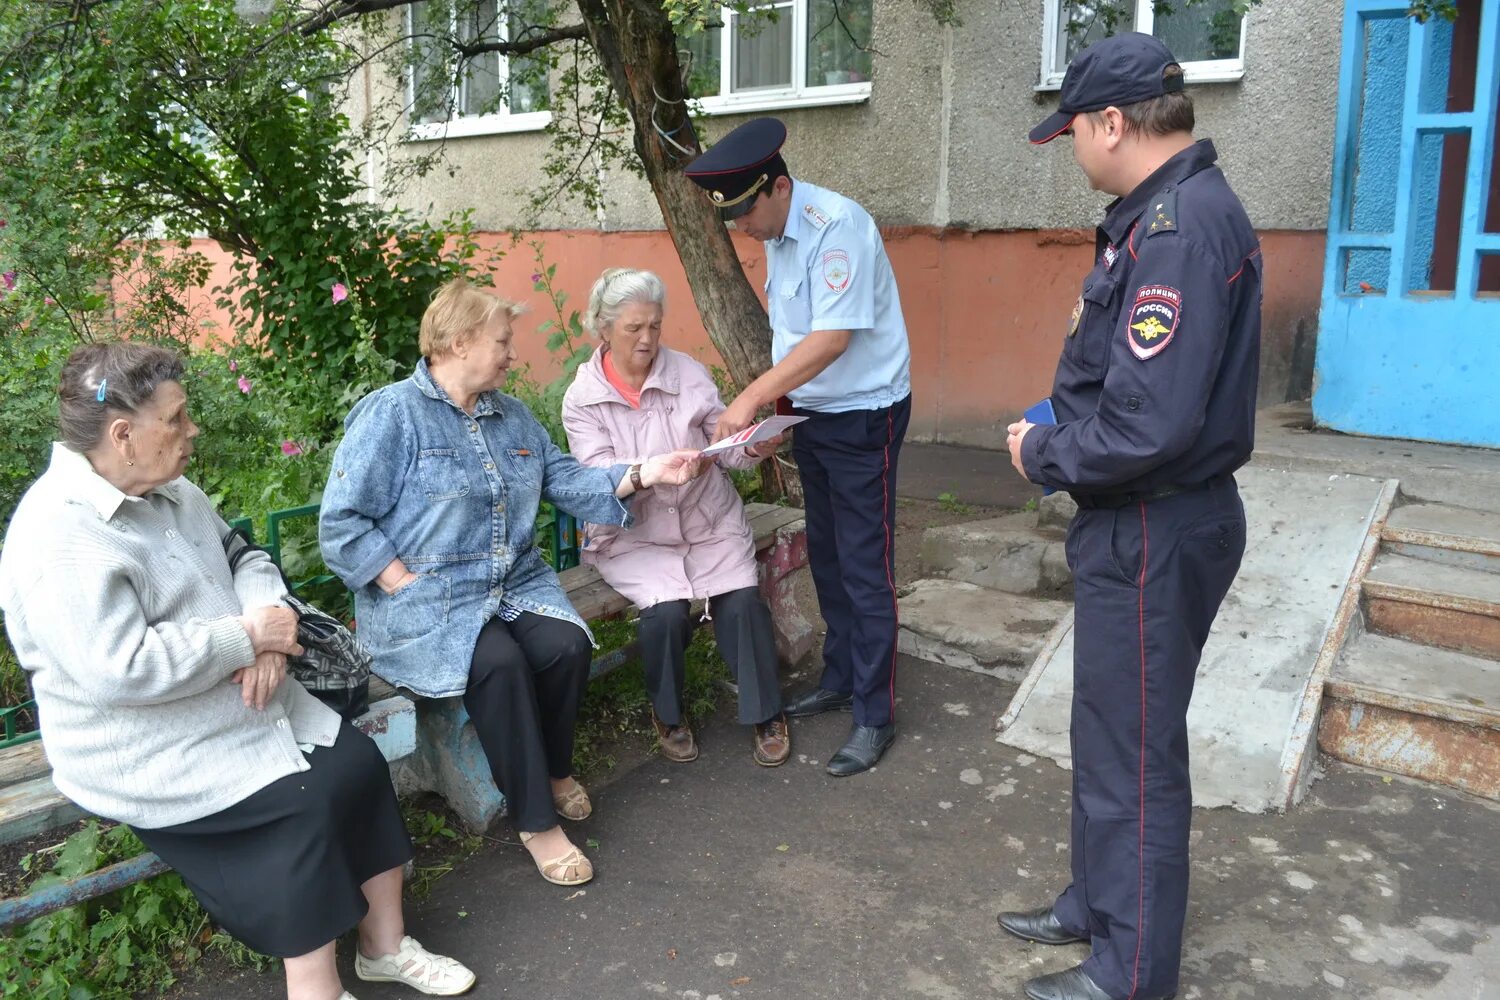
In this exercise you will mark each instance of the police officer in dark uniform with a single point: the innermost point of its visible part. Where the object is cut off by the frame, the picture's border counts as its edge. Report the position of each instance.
(1155, 405)
(841, 359)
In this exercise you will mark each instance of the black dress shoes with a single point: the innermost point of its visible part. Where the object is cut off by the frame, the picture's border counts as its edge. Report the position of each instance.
(1041, 926)
(1074, 984)
(817, 701)
(862, 750)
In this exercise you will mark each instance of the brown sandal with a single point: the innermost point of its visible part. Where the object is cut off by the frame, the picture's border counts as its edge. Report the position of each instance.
(573, 804)
(569, 869)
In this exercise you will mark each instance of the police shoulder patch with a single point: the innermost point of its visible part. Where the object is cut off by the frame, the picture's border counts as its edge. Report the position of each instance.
(836, 271)
(1153, 320)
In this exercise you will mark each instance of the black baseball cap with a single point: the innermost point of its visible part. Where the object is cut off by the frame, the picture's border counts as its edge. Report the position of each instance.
(1123, 69)
(740, 166)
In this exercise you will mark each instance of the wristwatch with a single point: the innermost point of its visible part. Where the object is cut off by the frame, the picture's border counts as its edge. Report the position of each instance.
(635, 477)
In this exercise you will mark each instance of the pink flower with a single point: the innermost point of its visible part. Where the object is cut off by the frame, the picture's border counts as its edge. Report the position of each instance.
(536, 277)
(245, 385)
(290, 448)
(340, 293)
(234, 366)
(49, 300)
(9, 277)
(3, 223)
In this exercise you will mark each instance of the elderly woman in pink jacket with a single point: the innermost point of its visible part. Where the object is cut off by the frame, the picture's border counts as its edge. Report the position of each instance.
(634, 397)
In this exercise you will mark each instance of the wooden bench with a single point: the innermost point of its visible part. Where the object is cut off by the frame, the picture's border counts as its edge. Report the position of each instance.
(428, 741)
(449, 760)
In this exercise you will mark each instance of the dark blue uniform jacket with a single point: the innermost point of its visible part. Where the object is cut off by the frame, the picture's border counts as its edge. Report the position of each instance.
(1156, 385)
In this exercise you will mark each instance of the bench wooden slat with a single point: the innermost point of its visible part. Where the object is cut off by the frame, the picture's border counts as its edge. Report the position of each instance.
(35, 806)
(768, 518)
(22, 763)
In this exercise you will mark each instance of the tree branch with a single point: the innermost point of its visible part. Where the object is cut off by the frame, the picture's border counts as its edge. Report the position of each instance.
(531, 39)
(336, 12)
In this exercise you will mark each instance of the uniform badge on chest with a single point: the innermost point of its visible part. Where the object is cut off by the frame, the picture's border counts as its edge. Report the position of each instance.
(1110, 256)
(1077, 315)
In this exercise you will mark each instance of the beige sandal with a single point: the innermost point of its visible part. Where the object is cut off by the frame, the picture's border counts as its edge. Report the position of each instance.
(573, 804)
(570, 869)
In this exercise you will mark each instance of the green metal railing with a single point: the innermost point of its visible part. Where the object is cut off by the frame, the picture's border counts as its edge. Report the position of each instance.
(9, 719)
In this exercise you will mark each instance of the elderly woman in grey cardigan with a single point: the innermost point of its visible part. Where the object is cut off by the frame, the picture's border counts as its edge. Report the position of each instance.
(160, 681)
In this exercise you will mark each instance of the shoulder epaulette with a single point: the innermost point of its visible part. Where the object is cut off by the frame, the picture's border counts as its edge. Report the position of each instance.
(1161, 215)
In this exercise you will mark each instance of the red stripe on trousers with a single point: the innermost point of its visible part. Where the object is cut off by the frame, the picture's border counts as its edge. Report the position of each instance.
(885, 521)
(1140, 913)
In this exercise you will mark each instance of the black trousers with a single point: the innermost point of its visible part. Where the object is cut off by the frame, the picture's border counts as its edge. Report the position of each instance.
(848, 466)
(1148, 582)
(742, 627)
(526, 682)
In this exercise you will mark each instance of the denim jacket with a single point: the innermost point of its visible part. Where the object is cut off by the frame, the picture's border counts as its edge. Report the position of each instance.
(456, 497)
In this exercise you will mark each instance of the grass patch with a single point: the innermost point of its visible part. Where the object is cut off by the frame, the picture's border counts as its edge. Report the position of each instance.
(616, 709)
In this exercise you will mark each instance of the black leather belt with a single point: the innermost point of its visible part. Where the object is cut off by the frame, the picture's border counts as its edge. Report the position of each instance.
(1111, 501)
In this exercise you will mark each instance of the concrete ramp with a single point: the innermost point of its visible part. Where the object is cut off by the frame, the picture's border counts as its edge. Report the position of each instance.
(1306, 532)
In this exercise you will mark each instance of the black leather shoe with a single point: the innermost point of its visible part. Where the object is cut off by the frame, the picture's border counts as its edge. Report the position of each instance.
(1041, 926)
(817, 701)
(1074, 984)
(862, 750)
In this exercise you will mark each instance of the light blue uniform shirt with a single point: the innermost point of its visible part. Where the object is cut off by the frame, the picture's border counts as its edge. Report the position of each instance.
(829, 271)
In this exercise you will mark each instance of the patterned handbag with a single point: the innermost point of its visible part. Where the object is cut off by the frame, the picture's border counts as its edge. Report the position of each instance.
(334, 666)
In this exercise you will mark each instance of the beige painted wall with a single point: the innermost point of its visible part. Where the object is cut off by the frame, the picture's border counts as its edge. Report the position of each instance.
(941, 141)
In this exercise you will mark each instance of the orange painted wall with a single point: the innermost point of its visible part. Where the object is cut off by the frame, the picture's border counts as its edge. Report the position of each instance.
(986, 311)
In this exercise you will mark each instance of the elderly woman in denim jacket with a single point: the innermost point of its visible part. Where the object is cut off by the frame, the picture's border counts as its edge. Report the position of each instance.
(634, 397)
(160, 679)
(430, 515)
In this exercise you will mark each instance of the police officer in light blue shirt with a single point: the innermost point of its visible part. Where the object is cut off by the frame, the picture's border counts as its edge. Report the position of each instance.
(841, 360)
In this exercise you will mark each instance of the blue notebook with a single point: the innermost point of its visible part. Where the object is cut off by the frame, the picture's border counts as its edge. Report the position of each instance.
(1042, 413)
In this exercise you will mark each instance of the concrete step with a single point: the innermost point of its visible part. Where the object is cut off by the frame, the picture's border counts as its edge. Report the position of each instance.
(1442, 533)
(1433, 603)
(976, 628)
(1427, 713)
(1012, 553)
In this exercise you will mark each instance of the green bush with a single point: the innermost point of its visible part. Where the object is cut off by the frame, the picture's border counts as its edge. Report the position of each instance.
(116, 946)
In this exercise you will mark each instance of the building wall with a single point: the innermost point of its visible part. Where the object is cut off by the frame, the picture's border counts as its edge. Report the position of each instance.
(988, 235)
(942, 139)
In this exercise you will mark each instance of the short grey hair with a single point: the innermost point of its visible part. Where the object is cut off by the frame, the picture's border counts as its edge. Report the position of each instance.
(615, 287)
(102, 381)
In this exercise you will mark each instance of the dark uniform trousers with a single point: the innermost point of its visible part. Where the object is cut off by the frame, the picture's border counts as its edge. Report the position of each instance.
(1149, 578)
(848, 466)
(746, 639)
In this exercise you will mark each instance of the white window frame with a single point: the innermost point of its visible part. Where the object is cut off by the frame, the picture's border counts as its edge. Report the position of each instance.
(469, 125)
(798, 95)
(1194, 71)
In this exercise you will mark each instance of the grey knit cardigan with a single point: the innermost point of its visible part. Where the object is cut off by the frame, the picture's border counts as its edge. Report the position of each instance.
(126, 614)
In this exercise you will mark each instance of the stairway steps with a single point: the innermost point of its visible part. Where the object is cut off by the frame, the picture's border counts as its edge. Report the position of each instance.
(1415, 710)
(1434, 603)
(1013, 553)
(1439, 533)
(959, 624)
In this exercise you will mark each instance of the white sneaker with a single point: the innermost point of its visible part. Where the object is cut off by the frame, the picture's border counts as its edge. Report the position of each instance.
(416, 967)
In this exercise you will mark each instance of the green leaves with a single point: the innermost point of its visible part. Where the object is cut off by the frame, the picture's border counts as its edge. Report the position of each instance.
(117, 946)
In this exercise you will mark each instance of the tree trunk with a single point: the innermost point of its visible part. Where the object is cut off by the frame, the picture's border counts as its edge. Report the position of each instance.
(634, 42)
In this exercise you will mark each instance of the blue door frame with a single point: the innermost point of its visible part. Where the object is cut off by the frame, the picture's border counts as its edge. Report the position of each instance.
(1396, 358)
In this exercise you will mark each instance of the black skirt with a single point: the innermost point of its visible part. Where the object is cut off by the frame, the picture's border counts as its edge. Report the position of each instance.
(281, 870)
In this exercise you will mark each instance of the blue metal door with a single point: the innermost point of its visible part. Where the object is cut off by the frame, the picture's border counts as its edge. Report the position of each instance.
(1409, 338)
